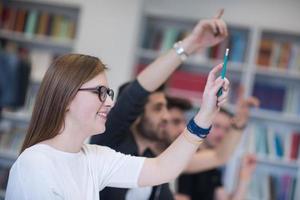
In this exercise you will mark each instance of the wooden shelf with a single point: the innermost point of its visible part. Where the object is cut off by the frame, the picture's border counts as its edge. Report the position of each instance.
(278, 73)
(275, 116)
(38, 40)
(8, 154)
(269, 115)
(196, 61)
(17, 116)
(277, 162)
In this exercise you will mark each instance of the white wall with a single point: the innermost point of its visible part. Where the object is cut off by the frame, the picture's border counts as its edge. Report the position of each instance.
(277, 14)
(108, 29)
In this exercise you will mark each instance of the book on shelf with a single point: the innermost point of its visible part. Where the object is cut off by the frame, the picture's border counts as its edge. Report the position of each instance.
(294, 62)
(265, 53)
(295, 141)
(273, 186)
(8, 18)
(20, 20)
(188, 84)
(33, 22)
(170, 36)
(237, 45)
(271, 143)
(272, 97)
(42, 24)
(284, 55)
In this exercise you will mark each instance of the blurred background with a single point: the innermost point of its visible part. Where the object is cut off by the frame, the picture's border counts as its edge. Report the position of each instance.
(264, 39)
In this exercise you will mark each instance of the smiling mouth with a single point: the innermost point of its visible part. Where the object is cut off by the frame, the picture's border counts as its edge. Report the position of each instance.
(102, 114)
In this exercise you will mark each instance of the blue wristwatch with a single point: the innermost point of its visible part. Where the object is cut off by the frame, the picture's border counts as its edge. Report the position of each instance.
(197, 130)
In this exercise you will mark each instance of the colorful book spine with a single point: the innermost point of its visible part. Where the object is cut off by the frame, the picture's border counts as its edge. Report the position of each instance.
(31, 22)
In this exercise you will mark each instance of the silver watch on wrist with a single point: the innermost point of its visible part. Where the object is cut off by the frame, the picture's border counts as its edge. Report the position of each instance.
(180, 51)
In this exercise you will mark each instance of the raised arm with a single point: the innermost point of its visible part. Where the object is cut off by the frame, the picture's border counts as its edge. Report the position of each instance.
(174, 159)
(205, 34)
(246, 170)
(130, 104)
(212, 158)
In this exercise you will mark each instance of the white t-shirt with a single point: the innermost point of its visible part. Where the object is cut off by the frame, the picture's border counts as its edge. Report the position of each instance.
(43, 173)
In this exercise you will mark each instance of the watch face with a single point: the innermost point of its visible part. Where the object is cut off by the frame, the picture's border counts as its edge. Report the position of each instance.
(180, 51)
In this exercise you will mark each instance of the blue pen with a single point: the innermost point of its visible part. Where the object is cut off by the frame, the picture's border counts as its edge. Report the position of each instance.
(223, 70)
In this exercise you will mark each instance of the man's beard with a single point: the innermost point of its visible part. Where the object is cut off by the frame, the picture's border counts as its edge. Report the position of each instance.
(146, 129)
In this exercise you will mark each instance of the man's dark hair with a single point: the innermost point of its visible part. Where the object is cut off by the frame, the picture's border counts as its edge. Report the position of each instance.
(180, 103)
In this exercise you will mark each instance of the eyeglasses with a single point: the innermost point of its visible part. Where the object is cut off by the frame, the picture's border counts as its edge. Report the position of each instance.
(102, 92)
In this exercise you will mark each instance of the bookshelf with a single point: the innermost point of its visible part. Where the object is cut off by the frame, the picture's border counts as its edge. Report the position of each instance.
(158, 34)
(43, 31)
(265, 61)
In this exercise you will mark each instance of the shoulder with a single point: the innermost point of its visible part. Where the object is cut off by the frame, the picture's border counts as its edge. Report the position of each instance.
(31, 163)
(33, 155)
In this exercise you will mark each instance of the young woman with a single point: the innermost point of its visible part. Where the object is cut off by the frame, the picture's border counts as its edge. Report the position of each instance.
(72, 105)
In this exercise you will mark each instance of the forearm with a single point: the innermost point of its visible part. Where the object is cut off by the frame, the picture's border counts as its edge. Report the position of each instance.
(174, 159)
(170, 163)
(154, 75)
(211, 158)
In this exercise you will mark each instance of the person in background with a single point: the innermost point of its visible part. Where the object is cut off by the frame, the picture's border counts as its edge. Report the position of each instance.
(207, 184)
(128, 131)
(177, 108)
(72, 104)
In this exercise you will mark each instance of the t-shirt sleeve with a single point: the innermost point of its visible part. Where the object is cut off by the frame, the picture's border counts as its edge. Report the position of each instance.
(127, 108)
(29, 181)
(117, 169)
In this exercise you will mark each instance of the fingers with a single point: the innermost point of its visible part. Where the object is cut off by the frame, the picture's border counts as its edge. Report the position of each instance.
(217, 85)
(215, 28)
(248, 103)
(253, 102)
(250, 159)
(218, 27)
(226, 84)
(221, 27)
(213, 74)
(222, 103)
(219, 13)
(225, 92)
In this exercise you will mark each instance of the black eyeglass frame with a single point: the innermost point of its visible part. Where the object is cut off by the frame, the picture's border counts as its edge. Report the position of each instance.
(100, 90)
